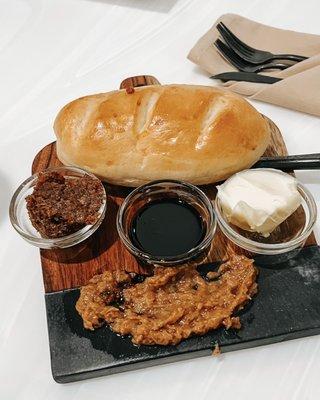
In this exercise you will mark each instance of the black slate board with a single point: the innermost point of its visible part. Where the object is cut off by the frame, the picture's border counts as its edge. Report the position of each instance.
(286, 307)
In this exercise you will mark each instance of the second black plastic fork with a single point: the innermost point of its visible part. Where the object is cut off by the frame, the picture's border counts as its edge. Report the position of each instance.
(250, 54)
(241, 64)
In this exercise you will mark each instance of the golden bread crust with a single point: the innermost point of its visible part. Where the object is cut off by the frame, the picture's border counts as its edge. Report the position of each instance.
(194, 133)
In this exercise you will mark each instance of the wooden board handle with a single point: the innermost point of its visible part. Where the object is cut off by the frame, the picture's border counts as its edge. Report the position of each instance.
(141, 80)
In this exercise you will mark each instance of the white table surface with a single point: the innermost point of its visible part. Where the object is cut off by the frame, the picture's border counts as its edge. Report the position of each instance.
(55, 51)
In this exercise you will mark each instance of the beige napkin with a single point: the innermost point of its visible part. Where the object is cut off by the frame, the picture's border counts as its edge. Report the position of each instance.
(300, 87)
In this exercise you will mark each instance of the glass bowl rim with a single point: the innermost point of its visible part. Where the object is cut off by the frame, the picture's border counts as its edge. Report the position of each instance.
(271, 248)
(38, 241)
(167, 259)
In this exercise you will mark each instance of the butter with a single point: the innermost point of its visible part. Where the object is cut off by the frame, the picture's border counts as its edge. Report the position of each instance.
(259, 200)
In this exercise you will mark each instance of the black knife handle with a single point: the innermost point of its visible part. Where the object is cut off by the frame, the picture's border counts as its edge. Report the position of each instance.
(288, 163)
(246, 77)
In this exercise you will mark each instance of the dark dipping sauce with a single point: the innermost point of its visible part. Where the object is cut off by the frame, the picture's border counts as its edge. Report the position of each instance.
(167, 228)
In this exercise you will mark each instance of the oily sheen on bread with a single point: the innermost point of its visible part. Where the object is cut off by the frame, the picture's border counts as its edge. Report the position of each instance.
(197, 134)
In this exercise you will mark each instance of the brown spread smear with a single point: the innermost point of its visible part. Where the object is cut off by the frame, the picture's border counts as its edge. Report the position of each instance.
(60, 206)
(171, 305)
(216, 351)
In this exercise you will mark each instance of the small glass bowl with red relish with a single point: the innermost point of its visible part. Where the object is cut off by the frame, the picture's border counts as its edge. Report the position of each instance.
(167, 222)
(58, 208)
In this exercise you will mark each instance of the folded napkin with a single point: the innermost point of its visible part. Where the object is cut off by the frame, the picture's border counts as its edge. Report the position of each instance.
(300, 87)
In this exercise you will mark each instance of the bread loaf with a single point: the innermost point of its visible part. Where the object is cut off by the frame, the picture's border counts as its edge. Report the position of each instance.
(197, 134)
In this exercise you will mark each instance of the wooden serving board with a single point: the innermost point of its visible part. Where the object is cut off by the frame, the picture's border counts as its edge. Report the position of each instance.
(73, 267)
(64, 270)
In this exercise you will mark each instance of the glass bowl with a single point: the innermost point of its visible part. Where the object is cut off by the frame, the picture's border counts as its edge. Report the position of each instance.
(289, 236)
(166, 189)
(20, 220)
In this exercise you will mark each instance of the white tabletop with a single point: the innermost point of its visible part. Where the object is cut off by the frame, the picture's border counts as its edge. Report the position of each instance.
(55, 51)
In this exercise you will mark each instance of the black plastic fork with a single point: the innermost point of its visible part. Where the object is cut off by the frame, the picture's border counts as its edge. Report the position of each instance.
(250, 54)
(241, 64)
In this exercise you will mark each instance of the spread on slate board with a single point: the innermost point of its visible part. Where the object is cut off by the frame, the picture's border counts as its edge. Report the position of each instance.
(173, 304)
(259, 200)
(60, 206)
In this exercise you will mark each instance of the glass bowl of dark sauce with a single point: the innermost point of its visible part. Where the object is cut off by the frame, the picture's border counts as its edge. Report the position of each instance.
(166, 222)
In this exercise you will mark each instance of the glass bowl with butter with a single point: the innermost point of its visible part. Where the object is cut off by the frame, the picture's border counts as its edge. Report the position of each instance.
(265, 211)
